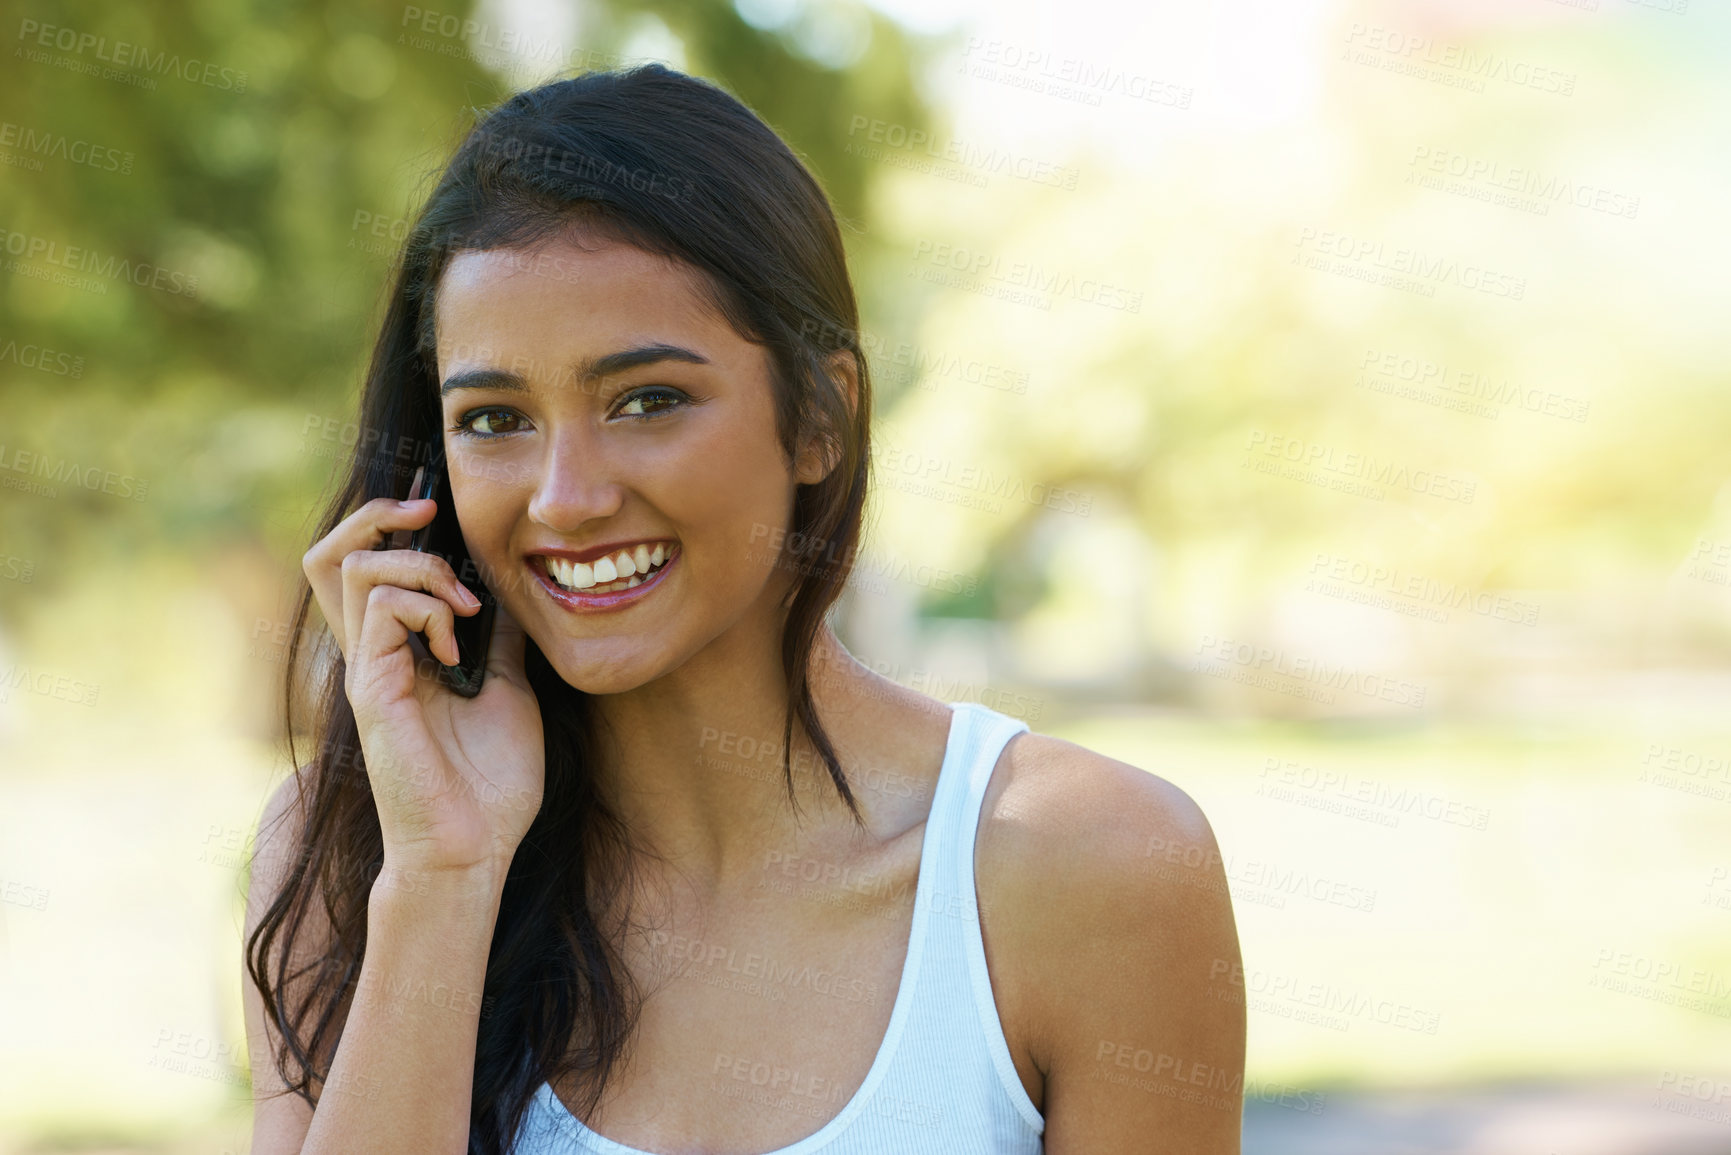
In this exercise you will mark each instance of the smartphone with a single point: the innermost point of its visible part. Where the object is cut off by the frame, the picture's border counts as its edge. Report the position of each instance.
(443, 536)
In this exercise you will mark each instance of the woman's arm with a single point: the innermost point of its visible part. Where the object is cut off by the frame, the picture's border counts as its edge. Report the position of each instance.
(1115, 930)
(401, 1076)
(455, 782)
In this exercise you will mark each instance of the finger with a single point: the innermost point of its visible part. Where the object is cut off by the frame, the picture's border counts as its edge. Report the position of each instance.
(365, 570)
(363, 529)
(368, 527)
(392, 615)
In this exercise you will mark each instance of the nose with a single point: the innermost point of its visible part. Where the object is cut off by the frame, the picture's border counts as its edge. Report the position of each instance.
(575, 485)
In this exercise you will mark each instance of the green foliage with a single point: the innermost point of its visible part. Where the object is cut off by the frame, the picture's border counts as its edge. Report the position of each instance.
(254, 167)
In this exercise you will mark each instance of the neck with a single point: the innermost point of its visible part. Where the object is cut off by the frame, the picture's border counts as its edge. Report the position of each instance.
(693, 762)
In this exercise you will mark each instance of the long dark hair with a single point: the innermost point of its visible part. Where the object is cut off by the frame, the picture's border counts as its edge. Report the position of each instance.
(677, 167)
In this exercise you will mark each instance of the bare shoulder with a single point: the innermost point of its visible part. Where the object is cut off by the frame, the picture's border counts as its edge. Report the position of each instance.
(275, 843)
(1052, 803)
(280, 1120)
(1071, 840)
(1111, 937)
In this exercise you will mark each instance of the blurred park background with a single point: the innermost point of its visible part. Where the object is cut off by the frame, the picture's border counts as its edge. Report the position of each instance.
(1319, 403)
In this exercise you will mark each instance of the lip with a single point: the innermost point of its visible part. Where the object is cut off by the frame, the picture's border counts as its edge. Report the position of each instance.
(588, 602)
(596, 551)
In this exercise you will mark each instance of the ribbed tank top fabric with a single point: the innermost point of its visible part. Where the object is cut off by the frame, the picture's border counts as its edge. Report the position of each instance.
(942, 1082)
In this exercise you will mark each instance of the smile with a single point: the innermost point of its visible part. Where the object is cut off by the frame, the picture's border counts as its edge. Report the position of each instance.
(614, 579)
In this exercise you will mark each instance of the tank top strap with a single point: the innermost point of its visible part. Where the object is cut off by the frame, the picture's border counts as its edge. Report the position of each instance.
(976, 740)
(957, 952)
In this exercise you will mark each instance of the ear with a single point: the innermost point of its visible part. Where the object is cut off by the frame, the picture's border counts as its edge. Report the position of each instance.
(820, 452)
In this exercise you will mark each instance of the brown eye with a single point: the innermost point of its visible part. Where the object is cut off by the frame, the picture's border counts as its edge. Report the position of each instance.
(651, 402)
(485, 423)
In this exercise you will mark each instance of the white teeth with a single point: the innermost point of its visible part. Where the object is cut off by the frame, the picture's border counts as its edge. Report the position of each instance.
(624, 570)
(570, 574)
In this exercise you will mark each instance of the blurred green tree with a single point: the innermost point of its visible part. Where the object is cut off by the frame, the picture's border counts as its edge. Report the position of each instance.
(200, 204)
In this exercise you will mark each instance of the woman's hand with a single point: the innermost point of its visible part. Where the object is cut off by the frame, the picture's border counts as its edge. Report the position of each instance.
(456, 780)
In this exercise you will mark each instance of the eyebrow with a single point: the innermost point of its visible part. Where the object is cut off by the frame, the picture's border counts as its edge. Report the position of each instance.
(607, 366)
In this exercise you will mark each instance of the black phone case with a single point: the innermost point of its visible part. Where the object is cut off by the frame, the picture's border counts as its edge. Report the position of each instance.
(443, 536)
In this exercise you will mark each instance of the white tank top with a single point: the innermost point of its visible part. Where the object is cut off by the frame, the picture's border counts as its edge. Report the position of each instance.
(943, 1082)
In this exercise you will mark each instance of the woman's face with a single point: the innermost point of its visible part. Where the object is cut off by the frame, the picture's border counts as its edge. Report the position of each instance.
(594, 405)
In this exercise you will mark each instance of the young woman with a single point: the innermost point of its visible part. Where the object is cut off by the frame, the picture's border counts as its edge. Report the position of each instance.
(685, 876)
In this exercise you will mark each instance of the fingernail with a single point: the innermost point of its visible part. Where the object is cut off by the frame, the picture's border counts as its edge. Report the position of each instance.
(467, 596)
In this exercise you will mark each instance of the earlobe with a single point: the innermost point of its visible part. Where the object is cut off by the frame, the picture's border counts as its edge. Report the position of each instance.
(820, 455)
